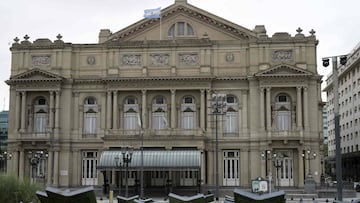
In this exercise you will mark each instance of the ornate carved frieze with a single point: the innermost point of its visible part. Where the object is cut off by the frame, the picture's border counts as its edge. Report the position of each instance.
(283, 82)
(39, 86)
(41, 61)
(282, 55)
(131, 59)
(188, 59)
(159, 59)
(156, 84)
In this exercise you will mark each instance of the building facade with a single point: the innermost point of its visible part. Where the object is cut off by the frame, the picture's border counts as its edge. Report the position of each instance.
(78, 103)
(349, 106)
(3, 139)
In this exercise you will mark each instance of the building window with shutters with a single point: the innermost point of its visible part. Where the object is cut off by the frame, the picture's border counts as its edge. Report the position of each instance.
(188, 111)
(131, 111)
(90, 115)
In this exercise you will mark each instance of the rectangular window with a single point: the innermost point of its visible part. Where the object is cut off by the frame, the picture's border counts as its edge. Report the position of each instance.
(40, 123)
(159, 120)
(131, 121)
(90, 123)
(188, 120)
(283, 120)
(230, 122)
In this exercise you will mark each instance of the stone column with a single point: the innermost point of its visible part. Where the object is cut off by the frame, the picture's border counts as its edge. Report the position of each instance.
(23, 111)
(57, 110)
(103, 111)
(17, 111)
(56, 168)
(173, 109)
(262, 111)
(14, 163)
(245, 167)
(49, 161)
(210, 167)
(268, 108)
(202, 109)
(143, 109)
(306, 109)
(244, 110)
(51, 110)
(76, 167)
(21, 164)
(108, 111)
(301, 168)
(115, 110)
(209, 111)
(298, 108)
(76, 111)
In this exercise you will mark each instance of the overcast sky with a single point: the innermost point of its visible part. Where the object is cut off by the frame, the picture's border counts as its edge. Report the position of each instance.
(337, 23)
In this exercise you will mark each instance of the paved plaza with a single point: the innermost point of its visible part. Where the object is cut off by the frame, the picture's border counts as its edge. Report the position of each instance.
(295, 200)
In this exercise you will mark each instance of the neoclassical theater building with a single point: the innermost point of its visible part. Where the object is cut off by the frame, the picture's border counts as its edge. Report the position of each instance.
(74, 107)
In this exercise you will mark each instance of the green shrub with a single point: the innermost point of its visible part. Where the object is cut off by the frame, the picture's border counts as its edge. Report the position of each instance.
(14, 190)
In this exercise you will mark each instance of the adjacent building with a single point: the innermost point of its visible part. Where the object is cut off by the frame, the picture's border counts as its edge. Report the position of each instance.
(76, 105)
(3, 139)
(349, 107)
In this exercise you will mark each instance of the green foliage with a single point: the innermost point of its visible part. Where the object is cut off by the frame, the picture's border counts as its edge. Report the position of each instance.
(13, 190)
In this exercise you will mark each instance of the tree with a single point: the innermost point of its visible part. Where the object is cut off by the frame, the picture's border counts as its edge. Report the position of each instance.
(14, 190)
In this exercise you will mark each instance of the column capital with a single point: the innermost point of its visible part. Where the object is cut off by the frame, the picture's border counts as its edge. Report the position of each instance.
(202, 91)
(172, 91)
(143, 91)
(76, 94)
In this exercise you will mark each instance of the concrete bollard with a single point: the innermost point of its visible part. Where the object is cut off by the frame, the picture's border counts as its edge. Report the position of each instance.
(111, 196)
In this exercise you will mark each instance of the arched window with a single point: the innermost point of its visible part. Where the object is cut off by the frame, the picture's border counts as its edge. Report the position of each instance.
(231, 121)
(180, 29)
(131, 111)
(283, 112)
(90, 115)
(40, 115)
(188, 111)
(159, 113)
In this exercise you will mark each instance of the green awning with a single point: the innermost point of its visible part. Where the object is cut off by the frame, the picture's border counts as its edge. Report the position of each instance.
(153, 160)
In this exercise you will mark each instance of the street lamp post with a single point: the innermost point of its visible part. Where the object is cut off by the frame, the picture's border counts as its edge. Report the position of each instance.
(127, 153)
(335, 82)
(3, 159)
(35, 158)
(219, 108)
(142, 158)
(269, 156)
(309, 156)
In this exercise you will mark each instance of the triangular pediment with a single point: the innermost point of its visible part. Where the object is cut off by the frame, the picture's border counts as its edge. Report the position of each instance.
(284, 70)
(34, 75)
(204, 24)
